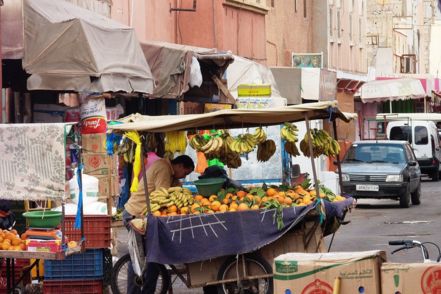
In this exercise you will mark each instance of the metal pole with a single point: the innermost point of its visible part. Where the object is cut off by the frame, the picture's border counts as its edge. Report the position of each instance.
(144, 177)
(314, 173)
(340, 179)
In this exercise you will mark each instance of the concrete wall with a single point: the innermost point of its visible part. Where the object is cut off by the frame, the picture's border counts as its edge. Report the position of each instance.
(346, 48)
(225, 25)
(288, 30)
(435, 52)
(320, 31)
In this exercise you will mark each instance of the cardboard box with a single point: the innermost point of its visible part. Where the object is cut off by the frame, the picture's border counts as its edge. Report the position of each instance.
(108, 185)
(49, 113)
(96, 164)
(254, 90)
(206, 271)
(315, 273)
(94, 143)
(410, 278)
(34, 245)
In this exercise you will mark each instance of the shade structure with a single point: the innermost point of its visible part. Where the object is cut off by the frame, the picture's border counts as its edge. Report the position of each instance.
(70, 48)
(233, 118)
(392, 90)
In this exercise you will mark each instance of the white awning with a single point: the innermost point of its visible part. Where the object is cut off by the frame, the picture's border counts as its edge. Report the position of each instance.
(67, 47)
(392, 90)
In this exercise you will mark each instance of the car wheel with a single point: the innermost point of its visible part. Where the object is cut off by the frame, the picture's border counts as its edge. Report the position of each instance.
(405, 198)
(435, 176)
(416, 195)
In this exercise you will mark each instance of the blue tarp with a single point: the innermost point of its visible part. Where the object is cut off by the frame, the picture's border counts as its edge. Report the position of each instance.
(195, 237)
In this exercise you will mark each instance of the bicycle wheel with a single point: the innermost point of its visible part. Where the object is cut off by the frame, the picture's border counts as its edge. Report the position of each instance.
(255, 266)
(119, 282)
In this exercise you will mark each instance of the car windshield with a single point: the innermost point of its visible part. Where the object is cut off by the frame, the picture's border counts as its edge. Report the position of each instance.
(375, 152)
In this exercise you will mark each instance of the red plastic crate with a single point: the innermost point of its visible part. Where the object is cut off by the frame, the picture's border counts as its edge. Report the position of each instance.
(96, 230)
(19, 264)
(72, 287)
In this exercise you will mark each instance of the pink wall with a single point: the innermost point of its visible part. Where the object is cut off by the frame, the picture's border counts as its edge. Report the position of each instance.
(240, 30)
(287, 29)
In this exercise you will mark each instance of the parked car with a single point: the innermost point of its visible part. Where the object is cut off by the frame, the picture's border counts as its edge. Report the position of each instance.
(382, 169)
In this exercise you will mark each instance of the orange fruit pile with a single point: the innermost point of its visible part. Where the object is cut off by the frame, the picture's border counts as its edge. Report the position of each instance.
(10, 240)
(245, 200)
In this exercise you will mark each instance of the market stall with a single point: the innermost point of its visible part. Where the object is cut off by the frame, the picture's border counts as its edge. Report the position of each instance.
(32, 164)
(202, 234)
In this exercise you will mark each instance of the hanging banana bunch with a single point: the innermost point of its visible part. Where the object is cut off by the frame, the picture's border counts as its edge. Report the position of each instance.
(289, 132)
(266, 150)
(259, 136)
(291, 148)
(322, 144)
(176, 141)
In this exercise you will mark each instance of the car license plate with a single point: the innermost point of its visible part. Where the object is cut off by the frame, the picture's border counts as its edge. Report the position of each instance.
(367, 188)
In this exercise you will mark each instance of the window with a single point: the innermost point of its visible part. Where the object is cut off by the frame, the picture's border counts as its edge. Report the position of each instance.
(338, 25)
(331, 23)
(350, 27)
(272, 3)
(295, 5)
(421, 135)
(401, 133)
(304, 9)
(360, 36)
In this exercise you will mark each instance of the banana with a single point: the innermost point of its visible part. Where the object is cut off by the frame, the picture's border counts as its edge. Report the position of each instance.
(174, 189)
(213, 146)
(207, 146)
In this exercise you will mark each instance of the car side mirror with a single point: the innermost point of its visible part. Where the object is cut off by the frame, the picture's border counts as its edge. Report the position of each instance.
(335, 162)
(412, 163)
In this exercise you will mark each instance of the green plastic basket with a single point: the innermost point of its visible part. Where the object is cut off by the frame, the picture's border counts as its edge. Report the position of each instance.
(208, 187)
(43, 219)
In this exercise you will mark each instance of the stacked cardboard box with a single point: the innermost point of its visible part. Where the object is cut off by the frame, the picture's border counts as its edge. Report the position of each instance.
(358, 272)
(99, 164)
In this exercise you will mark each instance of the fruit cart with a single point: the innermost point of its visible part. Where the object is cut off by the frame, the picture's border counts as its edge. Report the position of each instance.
(32, 163)
(233, 250)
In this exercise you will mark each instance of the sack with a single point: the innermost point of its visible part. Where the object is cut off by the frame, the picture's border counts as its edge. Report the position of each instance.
(7, 222)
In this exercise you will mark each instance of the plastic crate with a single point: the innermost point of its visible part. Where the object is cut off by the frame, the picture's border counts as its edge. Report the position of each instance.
(108, 266)
(80, 266)
(18, 266)
(96, 230)
(72, 287)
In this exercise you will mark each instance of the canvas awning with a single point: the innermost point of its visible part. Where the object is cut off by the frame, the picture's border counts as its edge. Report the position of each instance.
(392, 90)
(70, 48)
(170, 65)
(234, 118)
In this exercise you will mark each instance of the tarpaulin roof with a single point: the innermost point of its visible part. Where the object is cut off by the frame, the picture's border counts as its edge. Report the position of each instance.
(231, 118)
(245, 71)
(396, 89)
(170, 65)
(71, 48)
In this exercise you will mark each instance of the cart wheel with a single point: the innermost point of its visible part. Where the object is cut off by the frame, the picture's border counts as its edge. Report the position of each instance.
(255, 266)
(119, 282)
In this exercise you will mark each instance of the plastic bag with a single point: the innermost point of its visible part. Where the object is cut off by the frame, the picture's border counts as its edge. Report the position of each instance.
(195, 73)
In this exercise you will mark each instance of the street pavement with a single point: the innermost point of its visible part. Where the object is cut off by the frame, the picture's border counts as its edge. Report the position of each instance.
(372, 224)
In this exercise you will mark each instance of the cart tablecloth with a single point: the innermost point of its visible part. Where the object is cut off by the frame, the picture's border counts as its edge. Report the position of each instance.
(190, 238)
(32, 161)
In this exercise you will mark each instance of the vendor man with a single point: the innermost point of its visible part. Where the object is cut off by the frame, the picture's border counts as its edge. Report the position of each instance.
(162, 173)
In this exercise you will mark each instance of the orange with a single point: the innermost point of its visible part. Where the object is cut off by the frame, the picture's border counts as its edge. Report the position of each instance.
(255, 207)
(13, 232)
(7, 241)
(281, 199)
(23, 237)
(215, 205)
(205, 202)
(229, 195)
(234, 206)
(234, 197)
(232, 209)
(185, 210)
(264, 199)
(72, 244)
(243, 207)
(241, 194)
(10, 236)
(270, 192)
(194, 207)
(172, 213)
(209, 211)
(288, 200)
(198, 197)
(22, 246)
(172, 208)
(225, 201)
(17, 248)
(5, 246)
(16, 242)
(164, 212)
(258, 200)
(1, 239)
(282, 194)
(157, 213)
(250, 197)
(212, 198)
(223, 208)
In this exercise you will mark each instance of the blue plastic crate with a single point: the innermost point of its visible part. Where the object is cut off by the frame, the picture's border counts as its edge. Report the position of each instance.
(80, 266)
